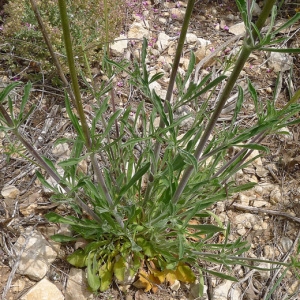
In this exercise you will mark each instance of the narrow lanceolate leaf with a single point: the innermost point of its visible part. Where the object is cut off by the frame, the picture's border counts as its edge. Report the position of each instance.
(221, 275)
(7, 90)
(206, 228)
(92, 276)
(62, 238)
(106, 275)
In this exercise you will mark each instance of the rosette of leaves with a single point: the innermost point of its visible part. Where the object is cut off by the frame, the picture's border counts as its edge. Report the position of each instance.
(88, 22)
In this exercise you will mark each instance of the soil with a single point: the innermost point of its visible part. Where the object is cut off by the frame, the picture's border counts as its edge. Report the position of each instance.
(284, 159)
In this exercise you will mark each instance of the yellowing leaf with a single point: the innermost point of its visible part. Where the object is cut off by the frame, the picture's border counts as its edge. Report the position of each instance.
(185, 274)
(143, 282)
(119, 268)
(105, 274)
(171, 277)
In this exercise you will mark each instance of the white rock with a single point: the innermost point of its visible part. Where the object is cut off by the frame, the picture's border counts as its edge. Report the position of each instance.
(158, 89)
(244, 199)
(61, 150)
(286, 243)
(18, 286)
(163, 41)
(37, 255)
(221, 292)
(280, 61)
(275, 196)
(10, 191)
(247, 220)
(175, 286)
(138, 31)
(77, 287)
(260, 203)
(191, 38)
(269, 252)
(237, 29)
(119, 46)
(261, 171)
(287, 135)
(293, 288)
(256, 10)
(264, 274)
(44, 290)
(162, 21)
(177, 13)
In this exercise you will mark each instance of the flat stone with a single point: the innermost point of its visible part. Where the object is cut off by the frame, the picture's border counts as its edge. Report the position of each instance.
(247, 220)
(221, 292)
(77, 286)
(280, 62)
(44, 290)
(119, 46)
(237, 29)
(37, 255)
(163, 41)
(138, 31)
(10, 191)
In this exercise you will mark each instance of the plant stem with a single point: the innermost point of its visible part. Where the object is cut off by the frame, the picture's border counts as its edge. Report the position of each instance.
(51, 50)
(157, 146)
(79, 106)
(246, 51)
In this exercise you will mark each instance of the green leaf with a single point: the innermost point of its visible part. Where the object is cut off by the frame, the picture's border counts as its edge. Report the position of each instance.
(252, 147)
(78, 258)
(206, 228)
(71, 162)
(221, 275)
(106, 275)
(25, 98)
(287, 24)
(284, 50)
(137, 176)
(120, 268)
(156, 76)
(62, 238)
(92, 276)
(7, 90)
(55, 218)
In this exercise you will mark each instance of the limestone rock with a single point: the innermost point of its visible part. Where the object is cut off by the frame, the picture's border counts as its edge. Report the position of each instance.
(191, 38)
(238, 29)
(10, 191)
(286, 243)
(138, 31)
(37, 255)
(119, 46)
(45, 290)
(280, 62)
(247, 220)
(221, 292)
(77, 287)
(163, 41)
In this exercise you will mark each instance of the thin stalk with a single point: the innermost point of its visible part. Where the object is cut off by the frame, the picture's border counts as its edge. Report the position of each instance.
(79, 106)
(245, 53)
(51, 50)
(157, 146)
(43, 164)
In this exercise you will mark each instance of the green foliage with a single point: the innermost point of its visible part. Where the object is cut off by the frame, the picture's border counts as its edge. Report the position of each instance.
(158, 233)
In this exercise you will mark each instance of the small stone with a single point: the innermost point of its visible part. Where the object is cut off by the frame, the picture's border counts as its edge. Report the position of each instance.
(175, 286)
(244, 199)
(264, 274)
(275, 196)
(237, 29)
(162, 21)
(280, 62)
(256, 10)
(45, 290)
(269, 252)
(61, 150)
(119, 46)
(18, 286)
(286, 243)
(191, 38)
(241, 231)
(221, 292)
(261, 171)
(177, 14)
(77, 286)
(293, 288)
(10, 191)
(163, 41)
(37, 255)
(247, 220)
(138, 31)
(260, 203)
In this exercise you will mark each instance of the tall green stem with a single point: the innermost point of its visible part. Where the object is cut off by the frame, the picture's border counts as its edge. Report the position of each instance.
(246, 51)
(79, 106)
(157, 146)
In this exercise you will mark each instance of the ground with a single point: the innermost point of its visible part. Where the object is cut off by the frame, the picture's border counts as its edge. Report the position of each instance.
(277, 214)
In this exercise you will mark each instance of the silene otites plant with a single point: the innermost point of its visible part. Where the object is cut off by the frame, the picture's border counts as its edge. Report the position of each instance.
(144, 211)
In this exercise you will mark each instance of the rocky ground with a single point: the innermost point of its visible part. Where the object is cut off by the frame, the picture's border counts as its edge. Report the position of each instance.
(267, 216)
